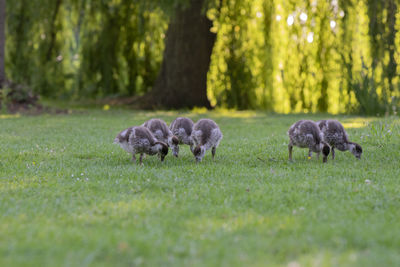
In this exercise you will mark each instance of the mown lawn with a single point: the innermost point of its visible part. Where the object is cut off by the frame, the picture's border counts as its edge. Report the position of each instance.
(69, 197)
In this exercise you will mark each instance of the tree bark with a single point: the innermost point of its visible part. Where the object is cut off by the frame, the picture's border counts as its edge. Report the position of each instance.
(182, 80)
(2, 41)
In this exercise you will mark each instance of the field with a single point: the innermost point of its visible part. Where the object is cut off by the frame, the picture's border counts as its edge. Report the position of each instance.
(69, 197)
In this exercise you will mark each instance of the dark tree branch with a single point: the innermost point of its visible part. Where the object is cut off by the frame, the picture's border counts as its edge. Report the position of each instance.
(53, 30)
(2, 42)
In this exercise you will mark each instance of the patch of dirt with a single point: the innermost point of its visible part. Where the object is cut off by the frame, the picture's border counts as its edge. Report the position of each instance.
(133, 102)
(21, 99)
(32, 109)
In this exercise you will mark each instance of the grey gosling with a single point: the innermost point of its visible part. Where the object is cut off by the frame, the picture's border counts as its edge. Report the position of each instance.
(306, 134)
(206, 134)
(182, 128)
(162, 133)
(336, 137)
(140, 140)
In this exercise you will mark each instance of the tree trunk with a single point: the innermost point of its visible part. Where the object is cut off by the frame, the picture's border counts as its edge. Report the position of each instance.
(2, 41)
(182, 81)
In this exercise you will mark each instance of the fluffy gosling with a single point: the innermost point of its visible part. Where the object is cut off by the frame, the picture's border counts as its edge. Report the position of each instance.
(162, 133)
(139, 139)
(206, 134)
(182, 128)
(336, 137)
(306, 134)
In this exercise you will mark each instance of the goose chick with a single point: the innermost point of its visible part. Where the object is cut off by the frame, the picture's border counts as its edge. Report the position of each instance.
(306, 134)
(336, 137)
(139, 139)
(162, 133)
(182, 128)
(206, 134)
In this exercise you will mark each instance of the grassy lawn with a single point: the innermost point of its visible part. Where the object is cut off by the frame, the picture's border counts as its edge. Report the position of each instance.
(69, 197)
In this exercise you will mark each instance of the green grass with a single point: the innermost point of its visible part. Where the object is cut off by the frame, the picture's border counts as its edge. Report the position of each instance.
(69, 197)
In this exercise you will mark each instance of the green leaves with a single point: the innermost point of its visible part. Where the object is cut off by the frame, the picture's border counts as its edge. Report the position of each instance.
(285, 56)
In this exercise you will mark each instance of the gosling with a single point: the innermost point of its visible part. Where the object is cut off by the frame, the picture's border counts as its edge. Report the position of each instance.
(140, 140)
(162, 133)
(206, 134)
(182, 128)
(306, 134)
(336, 137)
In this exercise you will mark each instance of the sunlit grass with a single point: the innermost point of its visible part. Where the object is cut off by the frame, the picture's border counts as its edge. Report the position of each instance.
(68, 196)
(223, 112)
(9, 116)
(356, 122)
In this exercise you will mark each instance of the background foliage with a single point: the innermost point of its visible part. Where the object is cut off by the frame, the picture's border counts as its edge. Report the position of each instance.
(285, 56)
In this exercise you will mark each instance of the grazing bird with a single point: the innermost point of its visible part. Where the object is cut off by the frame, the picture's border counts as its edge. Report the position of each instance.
(162, 133)
(182, 128)
(140, 140)
(206, 134)
(336, 137)
(306, 134)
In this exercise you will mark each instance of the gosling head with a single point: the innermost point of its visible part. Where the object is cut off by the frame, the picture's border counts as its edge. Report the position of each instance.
(356, 150)
(162, 150)
(326, 149)
(173, 142)
(199, 153)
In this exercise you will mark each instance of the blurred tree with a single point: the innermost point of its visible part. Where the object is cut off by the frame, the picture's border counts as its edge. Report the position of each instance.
(268, 64)
(284, 55)
(120, 47)
(324, 53)
(53, 29)
(240, 68)
(390, 46)
(2, 41)
(240, 93)
(182, 80)
(373, 86)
